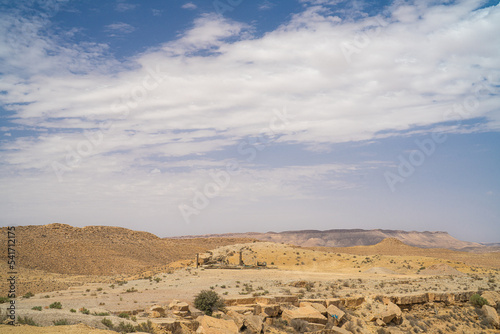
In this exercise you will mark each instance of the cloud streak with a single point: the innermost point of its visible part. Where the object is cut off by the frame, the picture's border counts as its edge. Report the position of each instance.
(220, 84)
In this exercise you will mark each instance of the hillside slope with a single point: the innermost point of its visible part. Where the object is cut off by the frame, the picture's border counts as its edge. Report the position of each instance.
(101, 250)
(394, 247)
(355, 237)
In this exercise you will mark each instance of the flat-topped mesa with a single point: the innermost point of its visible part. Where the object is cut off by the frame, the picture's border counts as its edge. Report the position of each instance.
(57, 226)
(392, 242)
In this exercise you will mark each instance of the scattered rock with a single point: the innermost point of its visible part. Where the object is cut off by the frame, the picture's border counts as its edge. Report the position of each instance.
(177, 305)
(338, 330)
(493, 297)
(335, 314)
(167, 324)
(319, 307)
(272, 310)
(440, 269)
(157, 310)
(307, 313)
(491, 315)
(211, 325)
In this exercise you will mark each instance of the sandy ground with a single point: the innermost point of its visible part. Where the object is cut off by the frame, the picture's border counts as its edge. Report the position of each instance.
(322, 275)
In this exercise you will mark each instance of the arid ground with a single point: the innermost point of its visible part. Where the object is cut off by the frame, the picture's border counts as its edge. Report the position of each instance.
(134, 277)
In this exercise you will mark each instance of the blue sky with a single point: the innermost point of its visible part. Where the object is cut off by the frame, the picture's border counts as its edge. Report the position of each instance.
(195, 117)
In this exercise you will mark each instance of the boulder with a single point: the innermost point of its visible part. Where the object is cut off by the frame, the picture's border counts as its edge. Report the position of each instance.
(335, 314)
(267, 310)
(239, 301)
(316, 301)
(155, 314)
(338, 330)
(316, 327)
(491, 315)
(176, 305)
(254, 323)
(211, 325)
(167, 324)
(411, 299)
(320, 307)
(391, 312)
(493, 297)
(307, 313)
(158, 309)
(353, 301)
(386, 313)
(242, 309)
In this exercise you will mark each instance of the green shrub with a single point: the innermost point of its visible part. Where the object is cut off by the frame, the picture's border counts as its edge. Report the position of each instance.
(4, 300)
(125, 328)
(108, 323)
(124, 315)
(37, 308)
(26, 321)
(477, 300)
(146, 327)
(72, 310)
(208, 301)
(56, 305)
(28, 295)
(60, 322)
(101, 314)
(84, 310)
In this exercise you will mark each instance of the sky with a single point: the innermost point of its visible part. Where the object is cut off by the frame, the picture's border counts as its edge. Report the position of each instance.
(195, 117)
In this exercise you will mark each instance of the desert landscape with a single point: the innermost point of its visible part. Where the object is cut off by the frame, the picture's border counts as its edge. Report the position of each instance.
(100, 279)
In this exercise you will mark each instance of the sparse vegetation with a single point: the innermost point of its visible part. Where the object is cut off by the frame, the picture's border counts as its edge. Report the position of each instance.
(28, 295)
(36, 308)
(124, 315)
(84, 311)
(60, 322)
(26, 321)
(300, 326)
(208, 301)
(56, 305)
(477, 300)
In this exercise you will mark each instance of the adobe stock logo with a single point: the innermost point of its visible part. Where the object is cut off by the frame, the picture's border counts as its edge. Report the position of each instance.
(416, 158)
(458, 112)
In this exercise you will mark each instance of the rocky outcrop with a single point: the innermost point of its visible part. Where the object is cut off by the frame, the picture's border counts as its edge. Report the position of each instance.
(319, 307)
(306, 313)
(335, 314)
(491, 316)
(179, 308)
(271, 310)
(493, 297)
(211, 325)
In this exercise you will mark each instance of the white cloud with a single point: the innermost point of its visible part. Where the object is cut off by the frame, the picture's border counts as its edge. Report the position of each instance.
(120, 28)
(217, 85)
(266, 5)
(157, 12)
(190, 6)
(125, 7)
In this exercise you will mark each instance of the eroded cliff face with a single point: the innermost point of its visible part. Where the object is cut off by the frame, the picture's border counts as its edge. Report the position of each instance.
(357, 237)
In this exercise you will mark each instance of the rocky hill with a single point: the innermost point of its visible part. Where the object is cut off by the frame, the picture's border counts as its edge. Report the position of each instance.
(395, 247)
(355, 237)
(101, 250)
